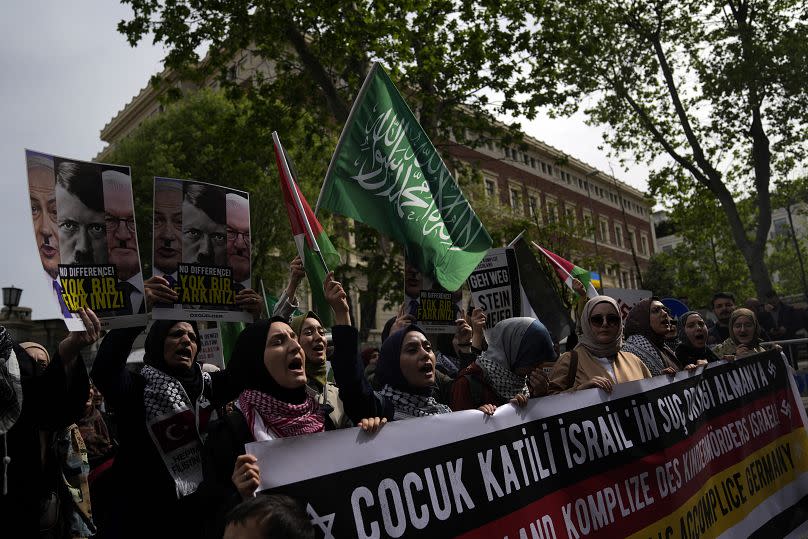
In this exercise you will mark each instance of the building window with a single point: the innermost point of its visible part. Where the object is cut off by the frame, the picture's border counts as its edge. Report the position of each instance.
(780, 228)
(533, 162)
(544, 167)
(569, 215)
(490, 187)
(507, 153)
(552, 212)
(590, 230)
(604, 231)
(516, 200)
(526, 159)
(618, 235)
(644, 244)
(532, 205)
(624, 279)
(632, 240)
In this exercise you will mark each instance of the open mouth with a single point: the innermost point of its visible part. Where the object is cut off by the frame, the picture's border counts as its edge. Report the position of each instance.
(427, 368)
(184, 353)
(296, 365)
(47, 251)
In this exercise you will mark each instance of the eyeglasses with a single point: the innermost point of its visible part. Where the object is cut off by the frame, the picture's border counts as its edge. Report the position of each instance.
(610, 319)
(114, 222)
(232, 235)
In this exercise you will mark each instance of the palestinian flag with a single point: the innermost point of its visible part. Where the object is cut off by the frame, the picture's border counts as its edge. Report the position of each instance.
(313, 246)
(569, 271)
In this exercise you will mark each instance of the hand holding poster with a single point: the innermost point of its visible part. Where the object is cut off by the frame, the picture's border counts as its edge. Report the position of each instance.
(84, 224)
(720, 451)
(202, 248)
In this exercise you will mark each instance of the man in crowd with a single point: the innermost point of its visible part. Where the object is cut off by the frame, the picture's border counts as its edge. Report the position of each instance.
(167, 226)
(204, 225)
(238, 239)
(80, 213)
(723, 305)
(121, 239)
(787, 320)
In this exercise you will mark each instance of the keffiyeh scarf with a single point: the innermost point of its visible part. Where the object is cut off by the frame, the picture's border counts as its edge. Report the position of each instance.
(10, 384)
(283, 418)
(409, 405)
(506, 383)
(176, 426)
(640, 346)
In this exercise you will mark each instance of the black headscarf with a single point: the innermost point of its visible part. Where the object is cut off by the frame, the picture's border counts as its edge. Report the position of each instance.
(154, 356)
(388, 368)
(686, 353)
(638, 322)
(247, 369)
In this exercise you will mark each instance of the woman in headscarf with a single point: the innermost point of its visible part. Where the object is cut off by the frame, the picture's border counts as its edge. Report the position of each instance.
(162, 412)
(597, 361)
(647, 324)
(269, 363)
(508, 370)
(693, 350)
(744, 336)
(405, 370)
(312, 339)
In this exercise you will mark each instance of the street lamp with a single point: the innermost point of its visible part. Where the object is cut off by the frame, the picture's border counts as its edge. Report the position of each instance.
(11, 296)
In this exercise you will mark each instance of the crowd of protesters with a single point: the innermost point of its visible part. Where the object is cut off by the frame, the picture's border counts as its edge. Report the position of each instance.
(159, 452)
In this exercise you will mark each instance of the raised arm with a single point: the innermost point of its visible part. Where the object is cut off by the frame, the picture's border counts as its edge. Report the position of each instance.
(109, 369)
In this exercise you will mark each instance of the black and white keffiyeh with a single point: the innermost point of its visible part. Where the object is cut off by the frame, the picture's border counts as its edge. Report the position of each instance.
(506, 383)
(640, 346)
(409, 405)
(10, 383)
(174, 425)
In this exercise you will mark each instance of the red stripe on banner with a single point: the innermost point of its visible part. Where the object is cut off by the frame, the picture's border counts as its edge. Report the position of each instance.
(632, 492)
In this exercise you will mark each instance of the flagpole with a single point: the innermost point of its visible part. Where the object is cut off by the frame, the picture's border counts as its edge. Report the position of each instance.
(299, 205)
(266, 303)
(517, 238)
(362, 91)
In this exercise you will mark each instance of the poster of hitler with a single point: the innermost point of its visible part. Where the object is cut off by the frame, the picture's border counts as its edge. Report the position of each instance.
(202, 248)
(84, 225)
(718, 452)
(495, 286)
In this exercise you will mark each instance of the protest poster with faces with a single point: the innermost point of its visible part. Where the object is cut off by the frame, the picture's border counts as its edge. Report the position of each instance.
(84, 225)
(201, 248)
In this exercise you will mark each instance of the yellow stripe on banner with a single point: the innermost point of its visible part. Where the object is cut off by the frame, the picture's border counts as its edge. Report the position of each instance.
(727, 497)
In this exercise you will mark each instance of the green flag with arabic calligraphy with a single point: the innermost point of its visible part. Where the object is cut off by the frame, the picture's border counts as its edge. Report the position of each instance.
(387, 174)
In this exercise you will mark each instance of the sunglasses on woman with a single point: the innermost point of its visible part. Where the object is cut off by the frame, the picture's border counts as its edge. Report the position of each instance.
(610, 319)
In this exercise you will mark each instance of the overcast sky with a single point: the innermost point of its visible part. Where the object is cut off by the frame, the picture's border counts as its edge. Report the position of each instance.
(66, 72)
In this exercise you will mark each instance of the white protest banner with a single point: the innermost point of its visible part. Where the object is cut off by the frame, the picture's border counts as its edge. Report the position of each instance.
(721, 451)
(86, 236)
(495, 286)
(202, 248)
(627, 298)
(210, 347)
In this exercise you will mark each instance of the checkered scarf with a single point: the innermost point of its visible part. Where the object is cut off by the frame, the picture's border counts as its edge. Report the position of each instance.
(10, 384)
(283, 418)
(409, 405)
(164, 399)
(505, 382)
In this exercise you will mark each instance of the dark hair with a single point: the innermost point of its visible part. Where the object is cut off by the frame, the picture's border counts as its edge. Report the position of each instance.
(722, 295)
(82, 180)
(209, 199)
(277, 516)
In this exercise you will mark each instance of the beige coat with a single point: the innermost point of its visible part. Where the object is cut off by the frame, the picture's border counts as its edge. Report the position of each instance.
(627, 367)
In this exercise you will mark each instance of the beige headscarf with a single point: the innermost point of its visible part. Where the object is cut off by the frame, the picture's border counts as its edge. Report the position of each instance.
(588, 339)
